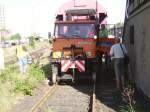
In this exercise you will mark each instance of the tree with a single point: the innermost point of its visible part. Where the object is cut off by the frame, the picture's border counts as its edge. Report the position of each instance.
(120, 24)
(16, 36)
(31, 41)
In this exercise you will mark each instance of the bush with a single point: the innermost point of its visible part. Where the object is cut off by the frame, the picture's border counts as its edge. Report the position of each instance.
(35, 76)
(31, 41)
(16, 36)
(36, 72)
(11, 74)
(23, 86)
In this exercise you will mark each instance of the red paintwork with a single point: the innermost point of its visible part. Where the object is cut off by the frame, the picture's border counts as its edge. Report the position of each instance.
(88, 44)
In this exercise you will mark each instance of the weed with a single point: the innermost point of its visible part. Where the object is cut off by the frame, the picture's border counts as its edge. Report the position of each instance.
(131, 104)
(128, 98)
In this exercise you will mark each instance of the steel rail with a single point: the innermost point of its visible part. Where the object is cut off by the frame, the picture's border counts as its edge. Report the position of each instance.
(93, 99)
(9, 60)
(44, 98)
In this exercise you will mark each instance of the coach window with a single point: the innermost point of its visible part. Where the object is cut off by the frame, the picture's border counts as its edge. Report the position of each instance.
(131, 34)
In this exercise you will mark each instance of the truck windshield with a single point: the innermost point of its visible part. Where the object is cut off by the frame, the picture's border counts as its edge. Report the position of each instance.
(74, 30)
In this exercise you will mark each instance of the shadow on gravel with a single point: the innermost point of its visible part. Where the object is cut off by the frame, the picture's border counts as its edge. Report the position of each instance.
(106, 92)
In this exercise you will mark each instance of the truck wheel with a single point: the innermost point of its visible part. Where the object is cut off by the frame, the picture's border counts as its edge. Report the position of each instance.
(54, 78)
(54, 74)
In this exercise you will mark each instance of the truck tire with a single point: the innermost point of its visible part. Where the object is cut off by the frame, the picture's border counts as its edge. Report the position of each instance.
(54, 74)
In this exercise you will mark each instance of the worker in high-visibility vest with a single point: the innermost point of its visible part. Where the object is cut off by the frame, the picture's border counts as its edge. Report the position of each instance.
(22, 55)
(103, 31)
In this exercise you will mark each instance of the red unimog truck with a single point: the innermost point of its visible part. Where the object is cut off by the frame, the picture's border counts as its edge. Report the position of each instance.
(76, 47)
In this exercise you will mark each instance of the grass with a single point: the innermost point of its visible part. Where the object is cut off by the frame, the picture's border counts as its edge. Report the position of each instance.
(13, 84)
(35, 75)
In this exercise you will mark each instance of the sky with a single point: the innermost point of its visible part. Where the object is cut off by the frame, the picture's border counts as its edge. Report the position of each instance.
(37, 16)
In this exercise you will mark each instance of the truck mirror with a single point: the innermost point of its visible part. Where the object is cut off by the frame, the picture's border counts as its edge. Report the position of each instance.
(102, 16)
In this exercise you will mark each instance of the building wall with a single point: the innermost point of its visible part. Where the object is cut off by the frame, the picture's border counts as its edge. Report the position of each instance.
(139, 51)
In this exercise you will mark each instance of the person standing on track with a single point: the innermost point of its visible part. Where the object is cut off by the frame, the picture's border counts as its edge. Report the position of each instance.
(118, 56)
(22, 54)
(1, 58)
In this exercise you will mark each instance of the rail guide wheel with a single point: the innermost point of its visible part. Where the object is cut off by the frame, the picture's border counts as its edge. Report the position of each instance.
(94, 77)
(95, 69)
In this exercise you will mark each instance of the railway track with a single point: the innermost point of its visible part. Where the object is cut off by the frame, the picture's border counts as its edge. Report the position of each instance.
(80, 97)
(43, 99)
(35, 55)
(108, 98)
(38, 53)
(67, 98)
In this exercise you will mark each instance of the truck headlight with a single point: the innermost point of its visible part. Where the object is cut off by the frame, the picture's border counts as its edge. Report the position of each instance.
(89, 54)
(95, 37)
